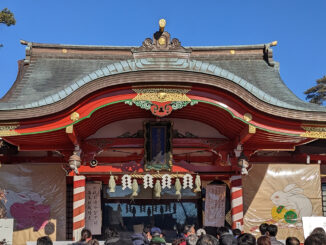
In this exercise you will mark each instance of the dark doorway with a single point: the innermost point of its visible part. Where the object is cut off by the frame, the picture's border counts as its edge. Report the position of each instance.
(167, 213)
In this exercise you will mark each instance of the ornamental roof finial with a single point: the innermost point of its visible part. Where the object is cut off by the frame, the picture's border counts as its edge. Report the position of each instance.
(161, 42)
(162, 23)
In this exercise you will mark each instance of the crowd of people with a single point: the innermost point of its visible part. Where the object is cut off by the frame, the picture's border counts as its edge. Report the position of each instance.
(203, 236)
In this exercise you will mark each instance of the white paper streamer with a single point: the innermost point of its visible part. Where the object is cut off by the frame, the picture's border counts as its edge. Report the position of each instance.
(148, 181)
(126, 182)
(187, 181)
(166, 181)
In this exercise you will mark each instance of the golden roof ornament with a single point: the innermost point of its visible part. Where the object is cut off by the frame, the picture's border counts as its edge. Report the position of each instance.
(162, 23)
(161, 42)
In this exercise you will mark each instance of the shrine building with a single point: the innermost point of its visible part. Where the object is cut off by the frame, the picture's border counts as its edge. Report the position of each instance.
(111, 137)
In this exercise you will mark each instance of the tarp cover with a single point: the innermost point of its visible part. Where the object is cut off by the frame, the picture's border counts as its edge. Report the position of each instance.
(281, 194)
(36, 199)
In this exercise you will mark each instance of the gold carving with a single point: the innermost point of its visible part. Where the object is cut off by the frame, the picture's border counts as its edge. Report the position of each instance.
(252, 129)
(274, 43)
(64, 51)
(247, 117)
(232, 51)
(74, 116)
(70, 129)
(161, 41)
(314, 132)
(161, 94)
(8, 129)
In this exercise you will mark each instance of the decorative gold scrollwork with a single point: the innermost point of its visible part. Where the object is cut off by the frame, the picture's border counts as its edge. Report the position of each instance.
(161, 101)
(314, 132)
(8, 129)
(161, 94)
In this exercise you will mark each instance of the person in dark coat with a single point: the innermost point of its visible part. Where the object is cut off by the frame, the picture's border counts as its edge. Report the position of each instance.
(86, 236)
(141, 235)
(112, 237)
(272, 232)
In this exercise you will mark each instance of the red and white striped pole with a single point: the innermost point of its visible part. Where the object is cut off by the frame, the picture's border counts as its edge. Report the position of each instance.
(236, 202)
(78, 206)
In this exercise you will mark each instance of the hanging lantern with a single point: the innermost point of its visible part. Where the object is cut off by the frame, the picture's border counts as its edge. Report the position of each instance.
(112, 184)
(187, 181)
(134, 188)
(74, 162)
(126, 182)
(177, 187)
(243, 164)
(157, 189)
(166, 181)
(197, 183)
(148, 181)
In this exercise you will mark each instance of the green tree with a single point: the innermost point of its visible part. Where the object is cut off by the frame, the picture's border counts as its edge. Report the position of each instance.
(7, 17)
(317, 94)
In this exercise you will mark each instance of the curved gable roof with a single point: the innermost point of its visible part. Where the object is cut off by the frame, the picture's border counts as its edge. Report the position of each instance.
(51, 78)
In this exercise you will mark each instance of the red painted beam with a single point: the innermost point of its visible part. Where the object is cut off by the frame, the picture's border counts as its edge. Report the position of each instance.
(247, 132)
(295, 158)
(184, 157)
(176, 168)
(44, 147)
(232, 103)
(106, 143)
(72, 135)
(20, 159)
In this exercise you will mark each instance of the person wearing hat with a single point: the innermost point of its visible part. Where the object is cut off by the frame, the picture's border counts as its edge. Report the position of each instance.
(157, 237)
(140, 236)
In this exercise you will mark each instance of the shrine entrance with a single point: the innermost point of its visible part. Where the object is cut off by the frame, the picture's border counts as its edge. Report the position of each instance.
(121, 213)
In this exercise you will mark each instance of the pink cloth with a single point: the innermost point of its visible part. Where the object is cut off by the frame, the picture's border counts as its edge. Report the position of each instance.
(29, 214)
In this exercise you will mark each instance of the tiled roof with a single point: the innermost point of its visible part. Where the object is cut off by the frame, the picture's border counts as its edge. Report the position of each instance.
(51, 75)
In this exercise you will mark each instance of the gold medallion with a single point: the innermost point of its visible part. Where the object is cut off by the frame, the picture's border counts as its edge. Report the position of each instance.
(162, 41)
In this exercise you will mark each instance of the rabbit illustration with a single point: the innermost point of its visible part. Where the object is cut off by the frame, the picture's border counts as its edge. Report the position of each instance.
(292, 198)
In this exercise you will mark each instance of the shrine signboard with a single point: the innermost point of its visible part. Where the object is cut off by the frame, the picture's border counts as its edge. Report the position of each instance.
(93, 207)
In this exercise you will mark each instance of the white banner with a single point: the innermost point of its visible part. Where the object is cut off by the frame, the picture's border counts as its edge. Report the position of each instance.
(6, 230)
(215, 205)
(93, 214)
(310, 223)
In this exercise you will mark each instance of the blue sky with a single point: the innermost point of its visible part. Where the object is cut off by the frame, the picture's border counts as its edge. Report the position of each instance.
(298, 26)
